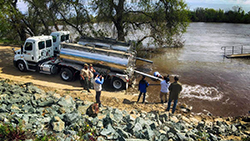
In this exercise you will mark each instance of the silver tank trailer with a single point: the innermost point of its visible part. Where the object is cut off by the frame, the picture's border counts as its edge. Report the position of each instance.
(106, 43)
(96, 56)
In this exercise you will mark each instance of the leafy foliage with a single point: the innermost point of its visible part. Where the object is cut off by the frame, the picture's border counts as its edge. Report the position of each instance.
(236, 15)
(87, 132)
(10, 132)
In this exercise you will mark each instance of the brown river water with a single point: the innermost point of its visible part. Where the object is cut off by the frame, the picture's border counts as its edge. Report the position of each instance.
(211, 83)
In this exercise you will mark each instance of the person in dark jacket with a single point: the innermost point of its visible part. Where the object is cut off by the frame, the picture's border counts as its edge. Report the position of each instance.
(143, 84)
(175, 88)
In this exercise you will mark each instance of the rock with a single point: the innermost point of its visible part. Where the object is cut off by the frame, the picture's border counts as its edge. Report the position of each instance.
(57, 124)
(100, 138)
(233, 128)
(153, 125)
(122, 133)
(107, 120)
(137, 128)
(181, 136)
(129, 118)
(151, 116)
(194, 120)
(136, 140)
(66, 101)
(212, 137)
(109, 132)
(79, 102)
(70, 118)
(149, 134)
(45, 120)
(201, 125)
(30, 88)
(163, 117)
(141, 121)
(3, 108)
(163, 137)
(129, 126)
(117, 115)
(134, 111)
(143, 114)
(44, 102)
(174, 119)
(99, 124)
(82, 109)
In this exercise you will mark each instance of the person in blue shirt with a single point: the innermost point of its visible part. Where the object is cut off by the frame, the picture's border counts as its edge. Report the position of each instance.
(99, 80)
(143, 84)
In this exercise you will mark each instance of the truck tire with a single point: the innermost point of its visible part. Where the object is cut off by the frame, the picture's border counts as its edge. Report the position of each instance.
(21, 66)
(118, 84)
(66, 74)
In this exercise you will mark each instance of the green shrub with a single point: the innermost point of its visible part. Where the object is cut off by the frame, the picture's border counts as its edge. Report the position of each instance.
(9, 133)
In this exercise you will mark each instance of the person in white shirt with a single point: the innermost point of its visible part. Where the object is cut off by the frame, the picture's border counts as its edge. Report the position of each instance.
(164, 89)
(99, 80)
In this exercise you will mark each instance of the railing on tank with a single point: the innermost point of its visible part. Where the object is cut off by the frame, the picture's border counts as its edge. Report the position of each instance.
(235, 50)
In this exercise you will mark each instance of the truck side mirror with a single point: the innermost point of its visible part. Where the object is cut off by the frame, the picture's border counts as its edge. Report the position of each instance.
(21, 49)
(13, 49)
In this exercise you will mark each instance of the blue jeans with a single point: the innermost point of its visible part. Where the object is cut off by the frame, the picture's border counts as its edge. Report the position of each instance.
(174, 106)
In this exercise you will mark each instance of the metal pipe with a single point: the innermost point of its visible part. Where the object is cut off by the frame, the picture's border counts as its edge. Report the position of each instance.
(149, 61)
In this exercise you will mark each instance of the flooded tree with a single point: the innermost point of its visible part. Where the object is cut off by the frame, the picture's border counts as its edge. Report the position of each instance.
(164, 20)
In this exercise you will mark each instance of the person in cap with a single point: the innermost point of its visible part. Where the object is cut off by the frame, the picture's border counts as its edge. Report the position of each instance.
(164, 89)
(85, 77)
(157, 74)
(91, 68)
(143, 84)
(175, 88)
(91, 71)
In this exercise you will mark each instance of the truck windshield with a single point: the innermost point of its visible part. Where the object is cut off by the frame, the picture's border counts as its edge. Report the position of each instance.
(48, 43)
(28, 46)
(41, 45)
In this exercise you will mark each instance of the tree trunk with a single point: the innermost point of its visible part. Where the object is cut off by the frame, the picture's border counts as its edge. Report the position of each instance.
(119, 20)
(120, 32)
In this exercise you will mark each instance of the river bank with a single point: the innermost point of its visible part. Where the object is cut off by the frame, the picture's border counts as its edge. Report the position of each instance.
(62, 113)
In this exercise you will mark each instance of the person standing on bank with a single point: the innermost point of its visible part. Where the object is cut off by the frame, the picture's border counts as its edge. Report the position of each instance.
(85, 77)
(175, 89)
(164, 89)
(143, 84)
(99, 80)
(91, 75)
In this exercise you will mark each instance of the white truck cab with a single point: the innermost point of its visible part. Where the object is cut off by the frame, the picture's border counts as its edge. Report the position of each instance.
(58, 37)
(36, 49)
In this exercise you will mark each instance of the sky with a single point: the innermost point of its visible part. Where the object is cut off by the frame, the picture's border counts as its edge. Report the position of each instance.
(192, 4)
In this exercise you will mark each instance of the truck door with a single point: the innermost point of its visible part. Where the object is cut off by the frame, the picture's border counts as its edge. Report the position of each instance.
(49, 48)
(42, 50)
(28, 51)
(56, 42)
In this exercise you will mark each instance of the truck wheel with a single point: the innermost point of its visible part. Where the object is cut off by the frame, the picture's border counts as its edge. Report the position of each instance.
(21, 66)
(118, 84)
(66, 74)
